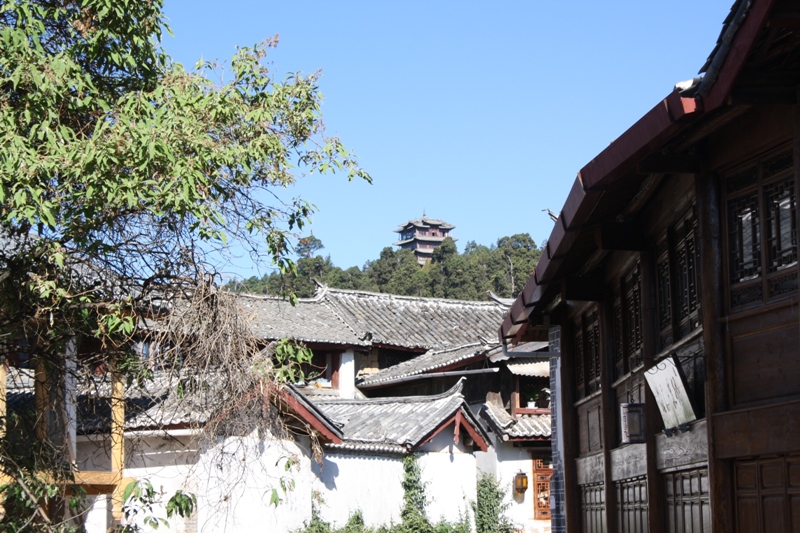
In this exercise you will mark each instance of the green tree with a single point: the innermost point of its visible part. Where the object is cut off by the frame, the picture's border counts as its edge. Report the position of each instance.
(307, 246)
(125, 177)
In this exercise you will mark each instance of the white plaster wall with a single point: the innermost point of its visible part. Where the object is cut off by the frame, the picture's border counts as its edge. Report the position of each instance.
(232, 479)
(235, 480)
(511, 460)
(486, 462)
(449, 473)
(370, 483)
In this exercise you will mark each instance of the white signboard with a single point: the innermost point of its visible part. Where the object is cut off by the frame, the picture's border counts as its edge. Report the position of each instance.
(670, 393)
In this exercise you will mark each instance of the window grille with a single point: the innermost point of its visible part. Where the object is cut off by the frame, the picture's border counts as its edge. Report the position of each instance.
(593, 352)
(579, 361)
(617, 330)
(762, 231)
(633, 318)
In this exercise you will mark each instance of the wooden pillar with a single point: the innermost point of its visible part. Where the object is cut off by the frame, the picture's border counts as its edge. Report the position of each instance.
(655, 499)
(117, 441)
(572, 496)
(515, 397)
(709, 221)
(608, 409)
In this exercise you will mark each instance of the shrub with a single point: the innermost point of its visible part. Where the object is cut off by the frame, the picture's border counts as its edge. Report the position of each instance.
(490, 509)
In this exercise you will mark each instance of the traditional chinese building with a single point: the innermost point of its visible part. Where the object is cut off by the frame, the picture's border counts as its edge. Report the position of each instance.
(422, 236)
(672, 275)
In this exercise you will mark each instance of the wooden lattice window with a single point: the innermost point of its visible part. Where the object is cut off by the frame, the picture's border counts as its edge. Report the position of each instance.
(632, 314)
(542, 474)
(580, 361)
(687, 292)
(587, 354)
(663, 296)
(619, 343)
(762, 231)
(632, 505)
(592, 332)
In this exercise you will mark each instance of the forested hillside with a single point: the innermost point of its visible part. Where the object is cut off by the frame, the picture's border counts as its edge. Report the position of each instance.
(502, 268)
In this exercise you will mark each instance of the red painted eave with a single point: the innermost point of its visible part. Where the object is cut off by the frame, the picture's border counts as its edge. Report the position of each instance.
(308, 416)
(661, 122)
(673, 114)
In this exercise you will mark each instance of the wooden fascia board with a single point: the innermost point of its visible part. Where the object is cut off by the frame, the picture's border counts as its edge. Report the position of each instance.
(308, 416)
(462, 422)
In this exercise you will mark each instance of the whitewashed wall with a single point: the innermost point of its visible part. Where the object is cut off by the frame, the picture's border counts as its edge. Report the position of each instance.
(450, 475)
(347, 483)
(511, 460)
(373, 484)
(234, 478)
(233, 481)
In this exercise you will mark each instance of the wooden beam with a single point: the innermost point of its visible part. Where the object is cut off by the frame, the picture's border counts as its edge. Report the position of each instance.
(608, 408)
(96, 477)
(656, 512)
(670, 164)
(569, 420)
(709, 224)
(619, 237)
(117, 439)
(459, 420)
(308, 416)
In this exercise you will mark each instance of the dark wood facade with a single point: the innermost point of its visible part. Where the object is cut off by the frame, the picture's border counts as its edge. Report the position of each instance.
(681, 243)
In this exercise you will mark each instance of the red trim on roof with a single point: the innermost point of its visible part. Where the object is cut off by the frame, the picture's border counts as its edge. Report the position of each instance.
(460, 421)
(308, 416)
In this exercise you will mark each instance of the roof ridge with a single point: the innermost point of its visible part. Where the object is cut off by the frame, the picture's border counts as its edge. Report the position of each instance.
(454, 391)
(391, 296)
(270, 297)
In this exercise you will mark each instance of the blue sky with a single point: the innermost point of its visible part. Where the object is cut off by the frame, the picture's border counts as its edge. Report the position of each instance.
(479, 113)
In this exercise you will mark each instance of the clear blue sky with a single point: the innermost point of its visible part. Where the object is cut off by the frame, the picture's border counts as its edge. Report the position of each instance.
(480, 113)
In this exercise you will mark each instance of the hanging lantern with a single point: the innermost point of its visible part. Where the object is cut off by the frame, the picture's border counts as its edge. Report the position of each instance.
(521, 482)
(632, 422)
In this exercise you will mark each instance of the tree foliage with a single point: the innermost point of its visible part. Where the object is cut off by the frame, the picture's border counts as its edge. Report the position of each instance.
(502, 268)
(125, 178)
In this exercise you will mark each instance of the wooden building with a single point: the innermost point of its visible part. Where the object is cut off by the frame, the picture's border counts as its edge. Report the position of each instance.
(676, 250)
(422, 236)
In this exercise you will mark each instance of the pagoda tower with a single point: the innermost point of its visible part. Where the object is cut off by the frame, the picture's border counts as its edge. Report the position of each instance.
(422, 236)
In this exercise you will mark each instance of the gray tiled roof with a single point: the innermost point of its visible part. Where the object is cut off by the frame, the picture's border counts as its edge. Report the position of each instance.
(310, 320)
(412, 322)
(430, 360)
(522, 426)
(532, 368)
(155, 404)
(425, 222)
(394, 425)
